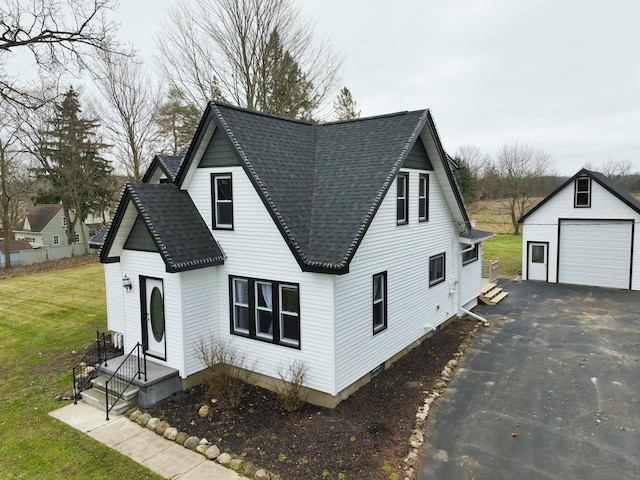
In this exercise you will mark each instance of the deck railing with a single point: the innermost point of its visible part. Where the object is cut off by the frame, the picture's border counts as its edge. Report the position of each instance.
(490, 269)
(134, 365)
(87, 367)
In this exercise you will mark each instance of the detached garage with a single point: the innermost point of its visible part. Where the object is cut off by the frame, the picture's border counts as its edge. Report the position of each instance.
(583, 233)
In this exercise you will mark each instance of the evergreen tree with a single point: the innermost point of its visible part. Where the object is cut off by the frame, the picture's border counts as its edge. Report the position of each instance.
(284, 89)
(466, 179)
(70, 162)
(176, 121)
(345, 106)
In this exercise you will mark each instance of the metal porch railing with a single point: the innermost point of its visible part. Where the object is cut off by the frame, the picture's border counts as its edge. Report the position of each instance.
(87, 367)
(134, 365)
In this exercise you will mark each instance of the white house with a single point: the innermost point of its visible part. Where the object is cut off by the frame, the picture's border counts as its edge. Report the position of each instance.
(341, 245)
(583, 233)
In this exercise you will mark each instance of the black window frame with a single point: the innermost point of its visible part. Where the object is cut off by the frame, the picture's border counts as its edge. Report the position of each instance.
(582, 193)
(380, 325)
(277, 336)
(403, 178)
(214, 200)
(470, 256)
(437, 280)
(423, 200)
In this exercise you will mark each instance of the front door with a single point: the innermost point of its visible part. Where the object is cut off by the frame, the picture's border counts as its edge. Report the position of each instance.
(537, 265)
(153, 321)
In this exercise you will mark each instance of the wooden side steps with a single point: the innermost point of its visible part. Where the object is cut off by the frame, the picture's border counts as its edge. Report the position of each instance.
(492, 294)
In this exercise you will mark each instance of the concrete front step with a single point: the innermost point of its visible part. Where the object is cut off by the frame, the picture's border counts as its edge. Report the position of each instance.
(99, 383)
(96, 398)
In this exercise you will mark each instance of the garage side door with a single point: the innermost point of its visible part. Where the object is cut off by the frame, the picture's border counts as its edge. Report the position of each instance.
(595, 252)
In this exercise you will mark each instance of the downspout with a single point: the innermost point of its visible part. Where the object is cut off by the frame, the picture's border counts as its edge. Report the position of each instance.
(464, 310)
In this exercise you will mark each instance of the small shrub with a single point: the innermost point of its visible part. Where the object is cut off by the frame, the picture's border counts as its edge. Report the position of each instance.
(229, 371)
(290, 390)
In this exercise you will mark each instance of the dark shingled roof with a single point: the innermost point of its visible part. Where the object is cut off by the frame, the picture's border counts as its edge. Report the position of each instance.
(169, 164)
(39, 217)
(98, 239)
(16, 245)
(182, 237)
(322, 183)
(603, 180)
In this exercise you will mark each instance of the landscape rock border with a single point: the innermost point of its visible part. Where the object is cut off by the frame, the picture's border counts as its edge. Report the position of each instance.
(416, 440)
(199, 445)
(250, 470)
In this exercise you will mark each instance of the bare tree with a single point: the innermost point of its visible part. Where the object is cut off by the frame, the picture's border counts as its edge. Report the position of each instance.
(473, 158)
(14, 177)
(128, 115)
(221, 49)
(519, 166)
(55, 36)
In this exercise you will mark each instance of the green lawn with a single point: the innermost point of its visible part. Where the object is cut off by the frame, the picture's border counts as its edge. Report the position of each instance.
(506, 248)
(43, 319)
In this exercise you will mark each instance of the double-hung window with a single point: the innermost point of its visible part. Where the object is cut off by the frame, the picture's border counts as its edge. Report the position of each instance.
(423, 198)
(56, 240)
(471, 255)
(222, 199)
(583, 192)
(402, 198)
(289, 315)
(437, 271)
(265, 310)
(379, 302)
(240, 296)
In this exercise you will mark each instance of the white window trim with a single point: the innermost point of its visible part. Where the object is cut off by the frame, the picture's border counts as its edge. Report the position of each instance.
(403, 177)
(382, 300)
(424, 180)
(236, 328)
(587, 192)
(283, 312)
(216, 201)
(260, 334)
(56, 240)
(438, 280)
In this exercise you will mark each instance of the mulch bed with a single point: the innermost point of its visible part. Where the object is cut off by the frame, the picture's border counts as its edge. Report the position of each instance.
(365, 437)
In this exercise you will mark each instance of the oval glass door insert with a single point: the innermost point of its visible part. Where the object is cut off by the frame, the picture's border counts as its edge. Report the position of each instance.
(157, 314)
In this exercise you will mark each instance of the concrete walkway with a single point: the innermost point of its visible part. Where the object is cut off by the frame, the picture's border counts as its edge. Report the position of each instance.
(162, 456)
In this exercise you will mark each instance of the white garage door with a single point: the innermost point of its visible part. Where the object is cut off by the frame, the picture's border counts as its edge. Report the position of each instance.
(595, 252)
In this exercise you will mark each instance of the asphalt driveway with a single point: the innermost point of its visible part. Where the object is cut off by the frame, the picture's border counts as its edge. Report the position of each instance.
(550, 391)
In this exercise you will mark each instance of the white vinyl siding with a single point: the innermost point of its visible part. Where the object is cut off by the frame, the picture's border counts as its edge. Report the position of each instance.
(542, 225)
(148, 264)
(269, 258)
(113, 286)
(413, 309)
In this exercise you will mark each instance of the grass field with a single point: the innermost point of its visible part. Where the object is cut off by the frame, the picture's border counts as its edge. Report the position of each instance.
(43, 319)
(492, 215)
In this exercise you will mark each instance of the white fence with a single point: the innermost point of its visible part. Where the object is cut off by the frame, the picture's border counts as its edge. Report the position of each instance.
(43, 254)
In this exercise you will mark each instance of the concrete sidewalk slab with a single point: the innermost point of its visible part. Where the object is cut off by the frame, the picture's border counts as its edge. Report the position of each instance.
(164, 457)
(116, 432)
(81, 416)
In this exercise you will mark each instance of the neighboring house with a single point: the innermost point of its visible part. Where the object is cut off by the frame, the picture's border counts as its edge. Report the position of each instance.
(17, 246)
(583, 233)
(341, 245)
(45, 225)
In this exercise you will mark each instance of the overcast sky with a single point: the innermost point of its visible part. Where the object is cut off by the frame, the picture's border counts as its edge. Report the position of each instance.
(562, 75)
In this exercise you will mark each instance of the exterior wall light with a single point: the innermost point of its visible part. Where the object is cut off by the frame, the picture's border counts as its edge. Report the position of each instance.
(126, 284)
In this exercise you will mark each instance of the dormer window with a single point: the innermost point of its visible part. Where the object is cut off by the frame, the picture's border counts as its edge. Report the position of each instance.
(402, 195)
(582, 192)
(222, 199)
